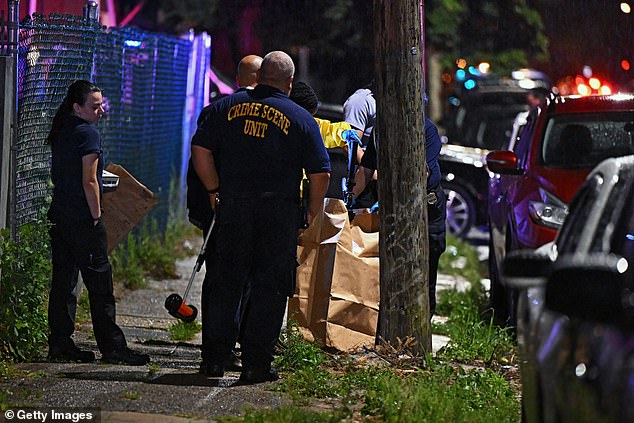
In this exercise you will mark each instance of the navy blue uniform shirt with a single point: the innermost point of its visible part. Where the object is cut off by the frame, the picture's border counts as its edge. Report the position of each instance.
(76, 139)
(261, 140)
(432, 151)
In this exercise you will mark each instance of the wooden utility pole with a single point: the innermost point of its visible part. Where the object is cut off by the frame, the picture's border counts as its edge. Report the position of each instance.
(404, 306)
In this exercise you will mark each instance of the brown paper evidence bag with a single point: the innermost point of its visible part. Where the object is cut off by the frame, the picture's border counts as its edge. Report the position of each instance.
(336, 301)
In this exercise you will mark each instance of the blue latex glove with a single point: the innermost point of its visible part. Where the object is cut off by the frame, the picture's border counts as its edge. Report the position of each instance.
(374, 207)
(350, 135)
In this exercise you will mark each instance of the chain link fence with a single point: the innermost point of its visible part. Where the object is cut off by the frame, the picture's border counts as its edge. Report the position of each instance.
(147, 80)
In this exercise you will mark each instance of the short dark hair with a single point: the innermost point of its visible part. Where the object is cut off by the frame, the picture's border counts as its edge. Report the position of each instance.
(304, 95)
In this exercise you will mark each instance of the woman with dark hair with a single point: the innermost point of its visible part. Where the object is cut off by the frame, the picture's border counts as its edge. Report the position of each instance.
(78, 235)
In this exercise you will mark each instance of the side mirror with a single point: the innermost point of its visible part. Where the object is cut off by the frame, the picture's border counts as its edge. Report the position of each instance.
(526, 268)
(594, 287)
(503, 161)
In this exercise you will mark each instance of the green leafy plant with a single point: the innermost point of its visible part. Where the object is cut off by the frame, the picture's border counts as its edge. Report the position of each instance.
(126, 264)
(25, 271)
(131, 395)
(183, 331)
(153, 368)
(472, 335)
(303, 362)
(296, 353)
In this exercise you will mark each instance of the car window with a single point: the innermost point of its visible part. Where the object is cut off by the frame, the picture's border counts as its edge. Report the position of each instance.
(584, 140)
(602, 241)
(623, 241)
(579, 211)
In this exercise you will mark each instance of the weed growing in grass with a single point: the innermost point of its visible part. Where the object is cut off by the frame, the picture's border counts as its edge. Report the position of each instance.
(126, 264)
(83, 307)
(131, 395)
(471, 337)
(183, 331)
(297, 354)
(155, 252)
(303, 363)
(152, 368)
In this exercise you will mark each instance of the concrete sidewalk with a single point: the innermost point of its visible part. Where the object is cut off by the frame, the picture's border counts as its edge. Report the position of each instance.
(168, 390)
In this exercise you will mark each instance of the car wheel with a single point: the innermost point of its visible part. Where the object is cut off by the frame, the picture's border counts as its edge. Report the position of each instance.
(460, 210)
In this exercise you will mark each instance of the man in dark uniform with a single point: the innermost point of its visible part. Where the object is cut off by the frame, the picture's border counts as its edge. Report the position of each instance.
(200, 212)
(249, 153)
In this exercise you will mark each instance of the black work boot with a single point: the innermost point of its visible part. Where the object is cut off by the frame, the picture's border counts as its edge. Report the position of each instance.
(233, 363)
(126, 356)
(211, 369)
(250, 376)
(70, 354)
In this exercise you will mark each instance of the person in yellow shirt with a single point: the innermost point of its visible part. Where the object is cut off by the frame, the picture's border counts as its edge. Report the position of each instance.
(334, 136)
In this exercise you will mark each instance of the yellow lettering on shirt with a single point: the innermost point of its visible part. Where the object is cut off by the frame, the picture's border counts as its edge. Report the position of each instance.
(255, 129)
(262, 111)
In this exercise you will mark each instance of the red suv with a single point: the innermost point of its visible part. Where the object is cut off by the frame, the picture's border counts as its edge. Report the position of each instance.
(540, 171)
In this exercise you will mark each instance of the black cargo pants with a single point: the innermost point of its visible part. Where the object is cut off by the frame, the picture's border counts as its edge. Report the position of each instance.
(78, 246)
(437, 214)
(255, 242)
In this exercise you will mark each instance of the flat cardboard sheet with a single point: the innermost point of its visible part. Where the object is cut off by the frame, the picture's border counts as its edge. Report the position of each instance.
(337, 295)
(125, 207)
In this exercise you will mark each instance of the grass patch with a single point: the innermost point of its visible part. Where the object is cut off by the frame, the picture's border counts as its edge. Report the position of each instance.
(83, 307)
(442, 394)
(183, 331)
(473, 336)
(460, 258)
(305, 363)
(5, 394)
(126, 264)
(131, 395)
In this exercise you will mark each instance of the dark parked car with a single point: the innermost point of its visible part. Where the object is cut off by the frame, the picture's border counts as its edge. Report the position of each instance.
(575, 325)
(535, 180)
(465, 181)
(481, 122)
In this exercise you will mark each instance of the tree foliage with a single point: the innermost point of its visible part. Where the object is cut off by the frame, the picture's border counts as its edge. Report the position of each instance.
(184, 14)
(507, 33)
(338, 34)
